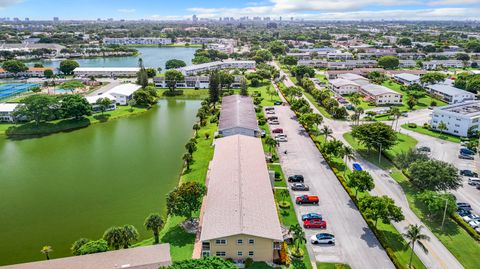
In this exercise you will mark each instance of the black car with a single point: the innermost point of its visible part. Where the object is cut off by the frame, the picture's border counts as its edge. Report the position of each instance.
(468, 173)
(295, 178)
(423, 149)
(463, 212)
(299, 187)
(464, 206)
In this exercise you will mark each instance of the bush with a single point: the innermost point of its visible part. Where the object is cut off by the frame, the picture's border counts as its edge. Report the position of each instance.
(466, 227)
(284, 204)
(173, 93)
(412, 125)
(248, 262)
(433, 103)
(262, 122)
(277, 175)
(93, 247)
(426, 126)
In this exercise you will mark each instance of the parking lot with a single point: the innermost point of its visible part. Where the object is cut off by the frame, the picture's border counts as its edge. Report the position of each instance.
(356, 245)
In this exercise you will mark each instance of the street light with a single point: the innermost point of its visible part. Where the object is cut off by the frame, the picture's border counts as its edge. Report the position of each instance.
(445, 210)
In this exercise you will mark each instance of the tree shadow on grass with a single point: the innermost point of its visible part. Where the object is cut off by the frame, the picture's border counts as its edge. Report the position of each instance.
(177, 236)
(102, 117)
(31, 130)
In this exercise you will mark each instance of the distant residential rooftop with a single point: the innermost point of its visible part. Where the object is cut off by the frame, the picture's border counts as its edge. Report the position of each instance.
(471, 108)
(106, 69)
(150, 257)
(447, 89)
(407, 76)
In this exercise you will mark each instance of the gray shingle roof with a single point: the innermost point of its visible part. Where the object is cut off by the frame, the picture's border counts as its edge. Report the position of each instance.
(237, 111)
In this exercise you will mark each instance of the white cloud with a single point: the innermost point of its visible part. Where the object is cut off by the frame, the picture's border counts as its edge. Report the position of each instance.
(7, 3)
(126, 10)
(453, 2)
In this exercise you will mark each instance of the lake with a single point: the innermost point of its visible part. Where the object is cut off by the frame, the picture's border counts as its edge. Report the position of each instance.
(57, 189)
(152, 57)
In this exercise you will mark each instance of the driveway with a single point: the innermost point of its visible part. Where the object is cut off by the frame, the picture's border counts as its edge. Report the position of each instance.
(356, 244)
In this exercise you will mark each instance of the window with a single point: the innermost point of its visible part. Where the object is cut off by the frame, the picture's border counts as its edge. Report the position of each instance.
(251, 241)
(250, 253)
(220, 254)
(221, 242)
(455, 131)
(239, 253)
(239, 241)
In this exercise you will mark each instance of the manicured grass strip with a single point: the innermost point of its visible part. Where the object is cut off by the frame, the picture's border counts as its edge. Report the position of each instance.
(268, 100)
(187, 94)
(327, 265)
(426, 131)
(319, 107)
(453, 237)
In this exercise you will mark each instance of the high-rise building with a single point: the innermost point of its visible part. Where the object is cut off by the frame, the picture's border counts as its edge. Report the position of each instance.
(56, 19)
(194, 18)
(27, 19)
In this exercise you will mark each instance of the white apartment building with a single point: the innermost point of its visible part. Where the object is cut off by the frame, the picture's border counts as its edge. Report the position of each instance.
(432, 65)
(450, 94)
(6, 111)
(343, 86)
(106, 71)
(194, 82)
(123, 93)
(381, 95)
(458, 118)
(32, 72)
(407, 79)
(300, 55)
(313, 63)
(92, 100)
(228, 64)
(407, 63)
(137, 41)
(355, 78)
(340, 56)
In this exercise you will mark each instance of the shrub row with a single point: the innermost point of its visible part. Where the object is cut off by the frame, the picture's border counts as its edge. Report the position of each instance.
(465, 226)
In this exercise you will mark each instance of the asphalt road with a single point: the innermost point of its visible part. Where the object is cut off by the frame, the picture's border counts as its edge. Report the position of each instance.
(356, 244)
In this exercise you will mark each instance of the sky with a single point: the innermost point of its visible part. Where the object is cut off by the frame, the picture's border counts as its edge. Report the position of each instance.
(183, 9)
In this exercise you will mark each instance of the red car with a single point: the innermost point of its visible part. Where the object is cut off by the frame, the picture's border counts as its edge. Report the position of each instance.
(307, 199)
(277, 131)
(315, 223)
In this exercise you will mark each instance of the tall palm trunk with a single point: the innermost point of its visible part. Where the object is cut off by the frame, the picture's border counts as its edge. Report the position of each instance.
(411, 255)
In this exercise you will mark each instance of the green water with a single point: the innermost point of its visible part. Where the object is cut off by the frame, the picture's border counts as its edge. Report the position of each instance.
(56, 189)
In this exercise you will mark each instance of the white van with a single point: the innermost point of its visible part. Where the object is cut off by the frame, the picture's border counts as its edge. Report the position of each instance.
(474, 181)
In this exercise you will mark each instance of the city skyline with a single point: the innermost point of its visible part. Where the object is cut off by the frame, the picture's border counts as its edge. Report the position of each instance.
(213, 9)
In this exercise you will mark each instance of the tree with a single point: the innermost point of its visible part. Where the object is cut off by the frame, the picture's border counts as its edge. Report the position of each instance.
(38, 107)
(310, 120)
(377, 77)
(130, 235)
(75, 106)
(271, 92)
(243, 87)
(383, 208)
(411, 102)
(174, 64)
(333, 148)
(48, 73)
(114, 237)
(326, 131)
(375, 135)
(473, 84)
(271, 143)
(77, 245)
(172, 77)
(414, 236)
(302, 71)
(348, 155)
(298, 236)
(145, 97)
(434, 175)
(67, 66)
(191, 147)
(151, 72)
(188, 159)
(14, 66)
(262, 56)
(433, 77)
(442, 126)
(211, 262)
(103, 104)
(185, 199)
(46, 251)
(361, 181)
(290, 60)
(404, 41)
(277, 47)
(214, 88)
(388, 62)
(93, 246)
(435, 203)
(154, 223)
(462, 57)
(405, 158)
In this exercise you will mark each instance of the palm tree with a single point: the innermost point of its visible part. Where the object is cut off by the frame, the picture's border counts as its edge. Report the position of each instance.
(271, 143)
(196, 127)
(188, 159)
(394, 111)
(46, 251)
(359, 111)
(114, 237)
(326, 131)
(442, 127)
(298, 236)
(414, 236)
(348, 155)
(130, 235)
(191, 147)
(154, 223)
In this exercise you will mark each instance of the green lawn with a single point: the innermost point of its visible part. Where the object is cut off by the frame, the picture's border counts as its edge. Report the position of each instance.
(187, 94)
(455, 239)
(260, 265)
(423, 102)
(425, 131)
(262, 90)
(327, 265)
(278, 169)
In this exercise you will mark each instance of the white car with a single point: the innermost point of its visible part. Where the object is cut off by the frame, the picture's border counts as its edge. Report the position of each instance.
(270, 112)
(281, 138)
(323, 238)
(470, 217)
(274, 122)
(474, 224)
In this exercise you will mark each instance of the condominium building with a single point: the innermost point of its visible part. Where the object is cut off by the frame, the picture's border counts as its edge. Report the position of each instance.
(137, 41)
(407, 79)
(238, 117)
(32, 72)
(228, 64)
(458, 118)
(6, 111)
(123, 93)
(313, 63)
(106, 71)
(432, 65)
(300, 55)
(381, 95)
(194, 82)
(450, 94)
(343, 86)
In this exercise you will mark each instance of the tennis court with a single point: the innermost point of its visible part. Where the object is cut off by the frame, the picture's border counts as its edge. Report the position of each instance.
(8, 90)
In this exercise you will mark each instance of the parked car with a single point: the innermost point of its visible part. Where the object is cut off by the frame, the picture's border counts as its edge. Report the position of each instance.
(470, 217)
(349, 107)
(478, 187)
(464, 206)
(269, 108)
(474, 224)
(307, 199)
(272, 118)
(281, 138)
(315, 223)
(299, 187)
(423, 149)
(270, 112)
(323, 238)
(466, 157)
(357, 166)
(404, 114)
(463, 212)
(473, 181)
(264, 133)
(311, 216)
(274, 122)
(296, 178)
(468, 173)
(278, 103)
(277, 131)
(466, 151)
